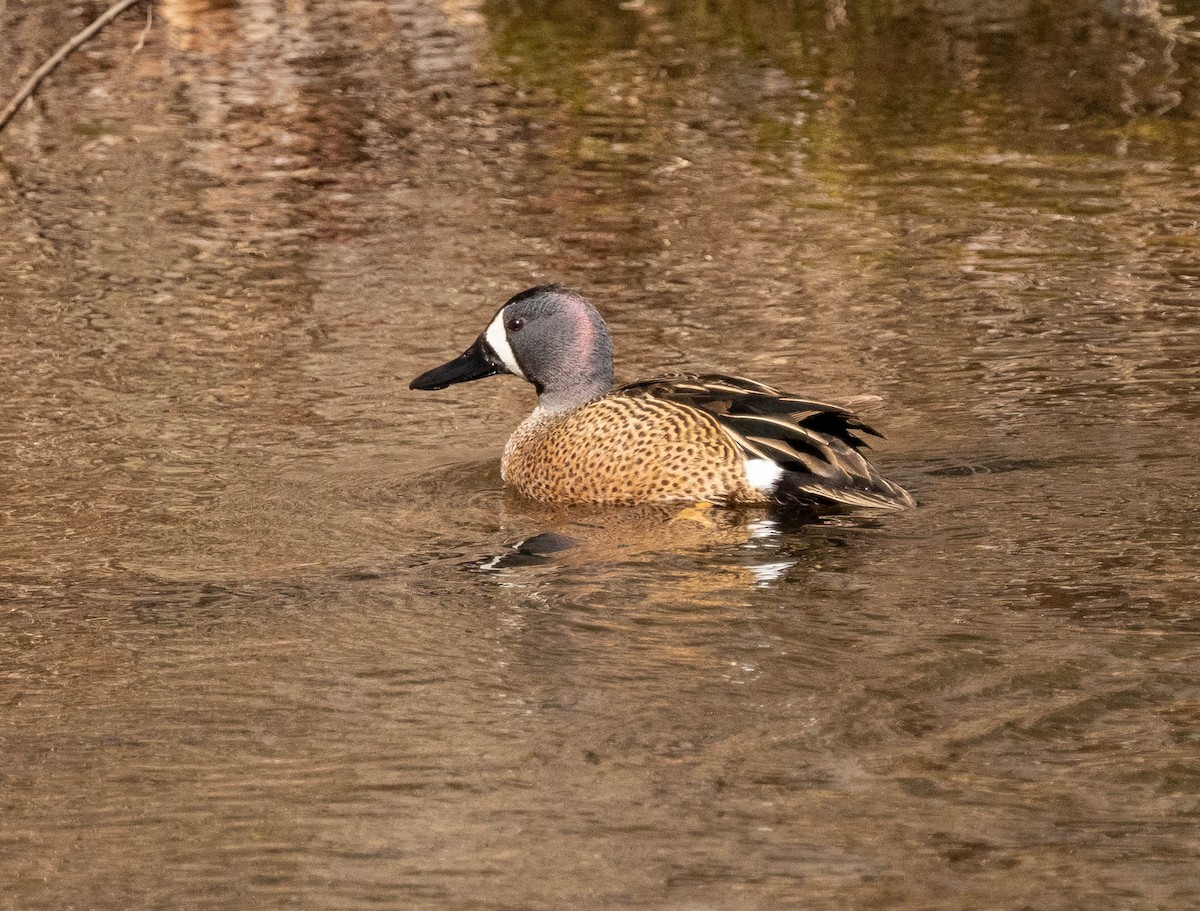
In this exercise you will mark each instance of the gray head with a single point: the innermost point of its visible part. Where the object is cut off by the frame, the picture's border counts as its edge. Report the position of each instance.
(547, 335)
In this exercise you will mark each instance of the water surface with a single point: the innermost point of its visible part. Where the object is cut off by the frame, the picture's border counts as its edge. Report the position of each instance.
(257, 647)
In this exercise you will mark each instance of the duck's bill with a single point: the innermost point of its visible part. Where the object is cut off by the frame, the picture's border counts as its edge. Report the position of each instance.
(475, 363)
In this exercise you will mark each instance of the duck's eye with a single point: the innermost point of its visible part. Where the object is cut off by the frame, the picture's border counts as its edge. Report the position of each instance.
(516, 324)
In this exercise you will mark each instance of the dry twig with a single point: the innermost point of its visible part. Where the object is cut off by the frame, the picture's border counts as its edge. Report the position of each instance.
(59, 56)
(141, 42)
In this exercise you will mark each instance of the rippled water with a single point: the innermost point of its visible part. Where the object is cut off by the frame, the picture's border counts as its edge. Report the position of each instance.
(265, 643)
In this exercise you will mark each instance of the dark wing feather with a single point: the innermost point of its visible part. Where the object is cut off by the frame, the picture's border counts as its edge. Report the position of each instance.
(816, 444)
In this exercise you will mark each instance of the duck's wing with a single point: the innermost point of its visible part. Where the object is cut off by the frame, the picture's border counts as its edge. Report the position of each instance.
(816, 445)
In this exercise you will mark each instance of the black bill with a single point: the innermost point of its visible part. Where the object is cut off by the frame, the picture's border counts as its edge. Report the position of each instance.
(475, 363)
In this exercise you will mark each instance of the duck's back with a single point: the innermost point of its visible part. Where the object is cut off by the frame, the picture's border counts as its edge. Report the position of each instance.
(815, 446)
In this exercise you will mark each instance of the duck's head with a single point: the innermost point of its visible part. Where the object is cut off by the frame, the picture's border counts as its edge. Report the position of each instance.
(547, 335)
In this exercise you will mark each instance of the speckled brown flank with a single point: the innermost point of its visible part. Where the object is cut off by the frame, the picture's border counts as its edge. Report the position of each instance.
(624, 451)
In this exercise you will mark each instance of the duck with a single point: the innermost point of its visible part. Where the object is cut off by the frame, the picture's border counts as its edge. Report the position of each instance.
(681, 438)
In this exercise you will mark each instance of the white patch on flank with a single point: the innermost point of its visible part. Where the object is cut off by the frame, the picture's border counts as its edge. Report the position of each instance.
(762, 474)
(497, 337)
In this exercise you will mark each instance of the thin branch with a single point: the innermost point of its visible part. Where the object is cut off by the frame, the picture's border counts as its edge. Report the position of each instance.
(141, 42)
(59, 56)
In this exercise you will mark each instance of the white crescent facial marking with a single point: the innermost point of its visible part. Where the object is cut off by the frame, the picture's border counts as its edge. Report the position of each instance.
(762, 474)
(497, 337)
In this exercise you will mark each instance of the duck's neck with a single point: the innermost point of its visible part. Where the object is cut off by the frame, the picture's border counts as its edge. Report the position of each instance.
(553, 402)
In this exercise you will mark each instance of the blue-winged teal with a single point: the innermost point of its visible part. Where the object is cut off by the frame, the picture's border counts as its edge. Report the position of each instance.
(677, 439)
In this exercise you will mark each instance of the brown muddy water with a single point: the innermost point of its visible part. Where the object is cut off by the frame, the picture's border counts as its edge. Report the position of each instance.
(257, 647)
